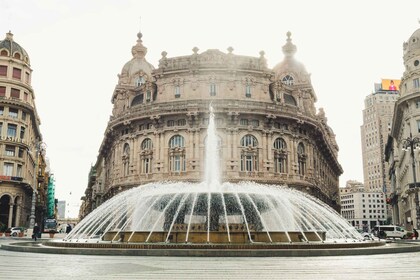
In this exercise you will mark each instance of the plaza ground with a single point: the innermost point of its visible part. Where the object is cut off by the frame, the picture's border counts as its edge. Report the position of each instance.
(18, 265)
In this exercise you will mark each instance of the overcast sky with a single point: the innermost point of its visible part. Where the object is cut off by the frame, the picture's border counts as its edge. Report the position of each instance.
(77, 48)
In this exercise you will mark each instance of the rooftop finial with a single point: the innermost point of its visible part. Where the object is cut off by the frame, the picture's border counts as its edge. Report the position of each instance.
(289, 49)
(9, 35)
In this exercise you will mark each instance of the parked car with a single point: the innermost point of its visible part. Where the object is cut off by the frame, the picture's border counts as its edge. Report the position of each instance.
(390, 231)
(14, 231)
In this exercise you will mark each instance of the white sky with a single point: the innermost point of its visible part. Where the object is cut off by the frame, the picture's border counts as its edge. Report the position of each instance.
(77, 48)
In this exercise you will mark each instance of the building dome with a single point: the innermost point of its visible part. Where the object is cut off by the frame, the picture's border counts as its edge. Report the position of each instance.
(414, 41)
(137, 66)
(8, 47)
(290, 70)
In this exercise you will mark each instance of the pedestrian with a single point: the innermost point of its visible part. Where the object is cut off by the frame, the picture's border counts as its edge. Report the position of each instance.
(416, 234)
(68, 229)
(35, 232)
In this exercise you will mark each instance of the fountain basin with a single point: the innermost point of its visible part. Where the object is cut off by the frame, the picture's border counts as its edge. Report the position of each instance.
(217, 237)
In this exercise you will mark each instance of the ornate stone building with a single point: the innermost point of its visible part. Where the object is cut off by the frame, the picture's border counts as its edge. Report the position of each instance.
(21, 155)
(267, 124)
(406, 124)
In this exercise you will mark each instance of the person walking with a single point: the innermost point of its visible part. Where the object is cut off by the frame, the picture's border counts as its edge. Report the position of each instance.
(35, 232)
(416, 234)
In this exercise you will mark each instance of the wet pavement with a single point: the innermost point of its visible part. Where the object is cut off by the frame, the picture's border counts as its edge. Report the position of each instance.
(18, 265)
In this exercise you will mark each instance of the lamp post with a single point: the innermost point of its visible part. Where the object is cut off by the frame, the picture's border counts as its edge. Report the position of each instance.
(34, 189)
(409, 143)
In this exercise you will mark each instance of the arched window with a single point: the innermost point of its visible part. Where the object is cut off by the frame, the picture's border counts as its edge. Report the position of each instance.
(147, 144)
(249, 140)
(301, 159)
(17, 55)
(137, 100)
(289, 99)
(4, 53)
(139, 81)
(280, 156)
(249, 153)
(176, 154)
(287, 80)
(146, 156)
(126, 159)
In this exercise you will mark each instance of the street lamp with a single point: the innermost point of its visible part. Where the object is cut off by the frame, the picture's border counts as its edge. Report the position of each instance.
(409, 143)
(34, 189)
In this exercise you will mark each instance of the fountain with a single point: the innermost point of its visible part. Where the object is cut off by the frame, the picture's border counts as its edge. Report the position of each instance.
(212, 212)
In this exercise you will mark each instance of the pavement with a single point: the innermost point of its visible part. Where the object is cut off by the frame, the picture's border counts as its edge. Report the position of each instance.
(33, 266)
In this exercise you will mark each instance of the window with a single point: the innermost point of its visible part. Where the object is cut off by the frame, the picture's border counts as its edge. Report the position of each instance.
(243, 122)
(140, 81)
(249, 140)
(4, 53)
(1, 110)
(301, 159)
(25, 96)
(416, 83)
(22, 132)
(138, 99)
(182, 122)
(8, 169)
(23, 116)
(27, 77)
(280, 156)
(248, 91)
(126, 159)
(17, 73)
(148, 95)
(3, 70)
(287, 80)
(146, 156)
(176, 141)
(20, 153)
(19, 170)
(147, 144)
(17, 55)
(418, 125)
(170, 123)
(1, 129)
(2, 91)
(15, 93)
(10, 150)
(249, 153)
(176, 154)
(13, 113)
(212, 89)
(177, 92)
(11, 130)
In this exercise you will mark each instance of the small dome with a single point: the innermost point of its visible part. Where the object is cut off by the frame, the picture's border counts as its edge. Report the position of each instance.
(413, 43)
(290, 68)
(9, 48)
(138, 65)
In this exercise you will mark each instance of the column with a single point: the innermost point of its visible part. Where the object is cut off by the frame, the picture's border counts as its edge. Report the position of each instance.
(9, 224)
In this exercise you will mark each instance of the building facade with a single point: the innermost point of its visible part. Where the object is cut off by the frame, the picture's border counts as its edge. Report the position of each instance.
(22, 156)
(404, 161)
(268, 128)
(363, 209)
(376, 127)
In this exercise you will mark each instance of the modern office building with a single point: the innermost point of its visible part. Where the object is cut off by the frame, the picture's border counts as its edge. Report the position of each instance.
(268, 128)
(22, 155)
(376, 127)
